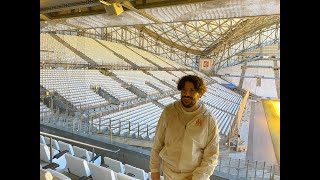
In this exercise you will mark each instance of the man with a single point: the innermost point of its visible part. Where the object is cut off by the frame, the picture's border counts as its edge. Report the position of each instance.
(187, 136)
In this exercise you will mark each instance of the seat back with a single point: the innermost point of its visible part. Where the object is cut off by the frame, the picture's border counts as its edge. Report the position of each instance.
(42, 140)
(137, 172)
(81, 153)
(47, 140)
(45, 156)
(101, 173)
(77, 166)
(53, 142)
(45, 153)
(65, 146)
(115, 165)
(122, 176)
(97, 161)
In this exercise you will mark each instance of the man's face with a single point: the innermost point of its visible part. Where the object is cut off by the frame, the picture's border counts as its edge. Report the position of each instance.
(189, 95)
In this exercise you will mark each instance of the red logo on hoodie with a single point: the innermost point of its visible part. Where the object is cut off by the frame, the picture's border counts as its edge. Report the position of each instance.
(199, 122)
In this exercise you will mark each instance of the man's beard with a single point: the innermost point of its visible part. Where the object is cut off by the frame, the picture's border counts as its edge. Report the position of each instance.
(189, 102)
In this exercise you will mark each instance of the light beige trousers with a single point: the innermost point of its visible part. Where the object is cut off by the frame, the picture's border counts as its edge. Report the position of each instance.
(170, 174)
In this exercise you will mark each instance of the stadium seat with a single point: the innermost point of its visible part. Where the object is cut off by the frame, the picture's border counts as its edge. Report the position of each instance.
(54, 143)
(135, 172)
(58, 157)
(77, 166)
(65, 146)
(85, 154)
(42, 141)
(113, 164)
(101, 173)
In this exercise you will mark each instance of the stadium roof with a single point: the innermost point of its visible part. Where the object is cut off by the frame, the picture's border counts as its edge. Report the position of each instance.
(162, 10)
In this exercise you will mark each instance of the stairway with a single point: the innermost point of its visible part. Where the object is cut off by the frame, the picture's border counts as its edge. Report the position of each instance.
(158, 104)
(163, 82)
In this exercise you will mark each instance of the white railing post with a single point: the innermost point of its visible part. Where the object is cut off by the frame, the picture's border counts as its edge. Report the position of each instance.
(147, 131)
(238, 168)
(99, 127)
(220, 164)
(50, 146)
(73, 121)
(92, 157)
(110, 131)
(247, 168)
(91, 126)
(255, 169)
(273, 172)
(129, 128)
(229, 165)
(264, 165)
(120, 126)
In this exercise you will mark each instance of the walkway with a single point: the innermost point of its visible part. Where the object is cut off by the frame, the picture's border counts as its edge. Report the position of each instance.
(260, 147)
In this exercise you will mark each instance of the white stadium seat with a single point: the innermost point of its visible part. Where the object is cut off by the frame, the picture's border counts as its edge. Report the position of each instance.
(77, 166)
(101, 173)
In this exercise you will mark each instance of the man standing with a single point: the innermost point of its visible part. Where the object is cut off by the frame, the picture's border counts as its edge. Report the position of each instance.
(187, 136)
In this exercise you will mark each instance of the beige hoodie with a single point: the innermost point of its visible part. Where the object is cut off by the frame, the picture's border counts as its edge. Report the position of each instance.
(191, 147)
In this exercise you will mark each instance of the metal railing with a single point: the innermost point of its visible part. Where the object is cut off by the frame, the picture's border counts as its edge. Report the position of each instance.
(123, 128)
(77, 142)
(248, 169)
(50, 136)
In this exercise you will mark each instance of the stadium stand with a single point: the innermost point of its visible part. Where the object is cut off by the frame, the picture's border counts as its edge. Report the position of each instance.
(53, 51)
(105, 80)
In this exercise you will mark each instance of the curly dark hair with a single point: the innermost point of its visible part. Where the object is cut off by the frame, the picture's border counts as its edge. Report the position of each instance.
(197, 82)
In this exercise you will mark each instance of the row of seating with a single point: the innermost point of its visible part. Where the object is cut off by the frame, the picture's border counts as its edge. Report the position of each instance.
(197, 73)
(220, 103)
(178, 74)
(128, 53)
(76, 92)
(150, 57)
(93, 50)
(136, 119)
(223, 119)
(138, 78)
(53, 51)
(172, 63)
(167, 100)
(70, 159)
(165, 76)
(91, 78)
(230, 95)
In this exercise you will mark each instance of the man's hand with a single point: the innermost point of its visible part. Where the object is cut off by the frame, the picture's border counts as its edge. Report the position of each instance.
(155, 175)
